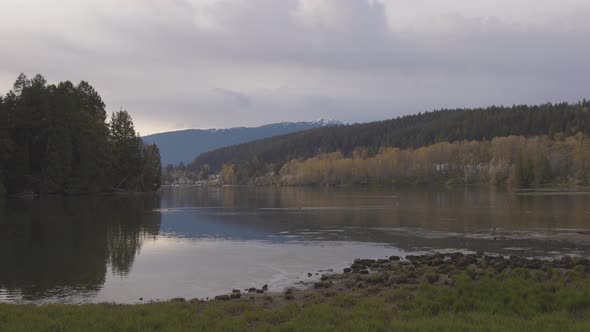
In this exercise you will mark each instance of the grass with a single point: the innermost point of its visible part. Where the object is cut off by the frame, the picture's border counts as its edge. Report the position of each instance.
(521, 300)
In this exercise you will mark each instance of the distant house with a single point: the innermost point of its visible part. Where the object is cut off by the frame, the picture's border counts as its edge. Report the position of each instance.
(214, 180)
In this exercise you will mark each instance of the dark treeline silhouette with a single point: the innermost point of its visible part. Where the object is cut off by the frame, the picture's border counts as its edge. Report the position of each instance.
(54, 139)
(269, 155)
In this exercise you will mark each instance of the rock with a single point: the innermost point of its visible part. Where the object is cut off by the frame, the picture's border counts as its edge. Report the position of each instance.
(224, 297)
(501, 265)
(376, 279)
(472, 259)
(252, 290)
(432, 278)
(265, 288)
(418, 258)
(436, 261)
(445, 268)
(515, 261)
(236, 295)
(324, 277)
(534, 264)
(347, 270)
(322, 284)
(566, 262)
(462, 264)
(364, 271)
(456, 256)
(309, 275)
(394, 258)
(466, 261)
(358, 266)
(141, 298)
(366, 262)
(236, 291)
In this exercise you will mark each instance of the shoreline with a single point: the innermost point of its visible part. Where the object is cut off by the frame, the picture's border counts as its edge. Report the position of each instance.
(441, 291)
(434, 269)
(448, 262)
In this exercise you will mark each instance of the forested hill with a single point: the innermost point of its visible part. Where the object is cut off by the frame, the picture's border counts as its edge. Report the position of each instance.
(405, 132)
(185, 145)
(54, 139)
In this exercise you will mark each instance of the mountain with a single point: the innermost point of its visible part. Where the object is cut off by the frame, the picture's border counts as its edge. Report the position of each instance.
(185, 145)
(410, 131)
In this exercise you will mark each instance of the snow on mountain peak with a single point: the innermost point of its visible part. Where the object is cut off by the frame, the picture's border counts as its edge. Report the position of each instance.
(326, 122)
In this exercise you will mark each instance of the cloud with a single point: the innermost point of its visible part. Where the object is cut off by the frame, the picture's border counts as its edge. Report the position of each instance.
(240, 99)
(202, 63)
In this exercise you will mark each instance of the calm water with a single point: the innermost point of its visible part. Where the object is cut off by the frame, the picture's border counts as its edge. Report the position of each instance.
(191, 242)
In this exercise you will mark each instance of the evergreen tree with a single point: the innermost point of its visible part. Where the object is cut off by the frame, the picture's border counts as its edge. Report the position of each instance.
(127, 151)
(58, 161)
(6, 145)
(151, 175)
(54, 139)
(22, 82)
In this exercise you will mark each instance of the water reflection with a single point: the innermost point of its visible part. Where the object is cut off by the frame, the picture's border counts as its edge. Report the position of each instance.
(197, 242)
(68, 243)
(374, 215)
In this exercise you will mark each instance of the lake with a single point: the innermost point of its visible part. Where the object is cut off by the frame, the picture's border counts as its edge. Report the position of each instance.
(200, 242)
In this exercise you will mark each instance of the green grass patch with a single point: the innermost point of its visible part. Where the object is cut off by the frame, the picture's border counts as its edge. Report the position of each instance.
(518, 301)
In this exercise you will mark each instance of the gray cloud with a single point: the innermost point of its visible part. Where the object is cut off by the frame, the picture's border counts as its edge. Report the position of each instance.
(240, 99)
(219, 63)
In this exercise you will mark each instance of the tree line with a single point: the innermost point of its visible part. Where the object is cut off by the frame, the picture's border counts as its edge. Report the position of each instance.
(55, 139)
(513, 160)
(257, 158)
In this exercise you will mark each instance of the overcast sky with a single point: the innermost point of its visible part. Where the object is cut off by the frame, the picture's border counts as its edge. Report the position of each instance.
(176, 64)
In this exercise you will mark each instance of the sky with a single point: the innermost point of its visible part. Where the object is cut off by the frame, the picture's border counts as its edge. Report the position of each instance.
(177, 64)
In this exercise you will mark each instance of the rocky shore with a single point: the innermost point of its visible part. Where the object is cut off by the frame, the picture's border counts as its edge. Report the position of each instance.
(440, 269)
(434, 292)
